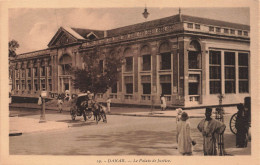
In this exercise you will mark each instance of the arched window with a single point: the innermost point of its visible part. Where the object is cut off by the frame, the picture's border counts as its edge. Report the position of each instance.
(146, 58)
(194, 55)
(66, 64)
(128, 60)
(165, 54)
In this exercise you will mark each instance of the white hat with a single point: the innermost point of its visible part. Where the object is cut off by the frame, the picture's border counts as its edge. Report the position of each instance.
(179, 111)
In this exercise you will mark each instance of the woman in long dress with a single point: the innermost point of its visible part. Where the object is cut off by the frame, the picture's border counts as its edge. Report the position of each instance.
(184, 140)
(163, 102)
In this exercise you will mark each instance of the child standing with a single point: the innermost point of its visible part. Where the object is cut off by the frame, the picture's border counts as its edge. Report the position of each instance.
(59, 104)
(183, 135)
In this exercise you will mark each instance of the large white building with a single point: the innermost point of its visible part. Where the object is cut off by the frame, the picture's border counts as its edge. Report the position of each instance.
(190, 59)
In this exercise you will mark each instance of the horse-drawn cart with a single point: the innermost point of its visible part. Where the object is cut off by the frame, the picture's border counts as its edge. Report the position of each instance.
(82, 106)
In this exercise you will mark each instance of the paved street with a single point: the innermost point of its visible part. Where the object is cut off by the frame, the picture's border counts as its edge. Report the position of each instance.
(122, 135)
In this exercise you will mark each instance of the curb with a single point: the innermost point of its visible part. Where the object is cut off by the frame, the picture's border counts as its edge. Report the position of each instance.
(136, 115)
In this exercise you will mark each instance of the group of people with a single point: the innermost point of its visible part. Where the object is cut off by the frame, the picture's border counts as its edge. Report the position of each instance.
(209, 127)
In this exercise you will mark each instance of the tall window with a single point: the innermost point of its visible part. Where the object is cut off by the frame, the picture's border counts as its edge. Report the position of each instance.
(35, 70)
(42, 71)
(165, 61)
(243, 72)
(29, 72)
(49, 71)
(129, 64)
(23, 84)
(17, 73)
(146, 62)
(230, 76)
(165, 81)
(146, 84)
(50, 85)
(194, 60)
(114, 88)
(43, 84)
(129, 84)
(29, 85)
(23, 73)
(35, 85)
(215, 71)
(17, 85)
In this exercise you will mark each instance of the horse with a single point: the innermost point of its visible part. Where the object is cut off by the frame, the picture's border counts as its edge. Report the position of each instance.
(99, 112)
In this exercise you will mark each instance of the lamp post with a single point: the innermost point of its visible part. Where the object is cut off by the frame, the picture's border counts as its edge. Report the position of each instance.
(220, 117)
(42, 117)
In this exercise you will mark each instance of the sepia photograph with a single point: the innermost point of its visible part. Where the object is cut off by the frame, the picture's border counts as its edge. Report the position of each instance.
(131, 84)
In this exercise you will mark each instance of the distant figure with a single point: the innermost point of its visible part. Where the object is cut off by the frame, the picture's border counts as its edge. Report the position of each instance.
(183, 137)
(40, 100)
(242, 126)
(178, 115)
(108, 104)
(163, 102)
(59, 103)
(67, 95)
(210, 129)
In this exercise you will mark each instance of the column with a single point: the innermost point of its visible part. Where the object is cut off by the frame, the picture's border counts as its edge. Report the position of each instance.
(46, 73)
(236, 73)
(20, 75)
(26, 77)
(222, 72)
(39, 72)
(32, 75)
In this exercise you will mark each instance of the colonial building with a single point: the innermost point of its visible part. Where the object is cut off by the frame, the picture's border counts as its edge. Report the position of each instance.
(190, 59)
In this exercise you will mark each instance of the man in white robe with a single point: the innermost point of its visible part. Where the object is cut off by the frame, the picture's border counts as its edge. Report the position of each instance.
(210, 129)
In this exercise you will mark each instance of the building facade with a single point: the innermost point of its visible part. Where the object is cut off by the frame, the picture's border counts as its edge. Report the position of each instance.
(190, 60)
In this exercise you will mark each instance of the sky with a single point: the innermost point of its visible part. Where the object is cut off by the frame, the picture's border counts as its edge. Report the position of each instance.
(33, 28)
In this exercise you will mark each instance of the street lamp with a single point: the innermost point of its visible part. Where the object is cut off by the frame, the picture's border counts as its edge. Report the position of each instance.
(145, 13)
(42, 117)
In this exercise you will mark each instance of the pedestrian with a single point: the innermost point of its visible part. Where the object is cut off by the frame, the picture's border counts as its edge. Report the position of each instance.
(163, 102)
(59, 103)
(210, 129)
(108, 104)
(183, 137)
(40, 100)
(178, 115)
(242, 126)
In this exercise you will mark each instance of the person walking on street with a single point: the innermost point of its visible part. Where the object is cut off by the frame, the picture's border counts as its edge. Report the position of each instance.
(163, 102)
(242, 126)
(59, 104)
(108, 104)
(183, 137)
(210, 129)
(40, 100)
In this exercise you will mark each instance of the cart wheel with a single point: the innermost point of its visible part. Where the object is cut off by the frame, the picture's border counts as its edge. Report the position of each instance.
(232, 123)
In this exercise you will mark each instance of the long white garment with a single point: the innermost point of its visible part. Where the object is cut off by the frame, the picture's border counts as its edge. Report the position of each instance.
(163, 102)
(184, 139)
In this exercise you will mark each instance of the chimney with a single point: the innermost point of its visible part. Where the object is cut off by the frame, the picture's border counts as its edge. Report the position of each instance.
(105, 34)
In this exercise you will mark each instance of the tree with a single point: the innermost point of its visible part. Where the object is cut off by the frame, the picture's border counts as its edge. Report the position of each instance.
(12, 48)
(93, 77)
